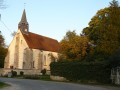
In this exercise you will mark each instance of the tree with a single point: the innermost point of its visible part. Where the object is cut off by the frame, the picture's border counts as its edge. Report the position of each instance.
(73, 46)
(13, 33)
(114, 59)
(104, 29)
(2, 44)
(114, 3)
(2, 51)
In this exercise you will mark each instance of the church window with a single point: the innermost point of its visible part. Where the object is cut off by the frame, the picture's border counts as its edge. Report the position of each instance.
(11, 67)
(26, 30)
(21, 41)
(45, 61)
(33, 64)
(23, 64)
(16, 38)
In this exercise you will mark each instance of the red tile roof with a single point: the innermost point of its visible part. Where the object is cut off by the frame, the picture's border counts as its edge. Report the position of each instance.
(36, 41)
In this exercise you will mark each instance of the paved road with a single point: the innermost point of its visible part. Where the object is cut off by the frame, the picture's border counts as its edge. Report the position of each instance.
(25, 84)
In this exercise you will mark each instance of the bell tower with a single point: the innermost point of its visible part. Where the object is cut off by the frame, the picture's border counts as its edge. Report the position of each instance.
(23, 24)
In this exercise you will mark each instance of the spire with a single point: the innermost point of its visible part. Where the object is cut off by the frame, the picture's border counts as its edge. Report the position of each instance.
(23, 19)
(23, 24)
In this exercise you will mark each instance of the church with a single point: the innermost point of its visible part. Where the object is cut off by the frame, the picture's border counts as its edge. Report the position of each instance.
(30, 51)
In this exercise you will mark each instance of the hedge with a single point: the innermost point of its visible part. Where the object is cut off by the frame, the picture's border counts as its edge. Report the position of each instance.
(77, 71)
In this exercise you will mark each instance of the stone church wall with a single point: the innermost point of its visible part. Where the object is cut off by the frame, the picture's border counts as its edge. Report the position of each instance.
(42, 59)
(22, 47)
(28, 59)
(26, 71)
(21, 57)
(16, 49)
(37, 59)
(47, 59)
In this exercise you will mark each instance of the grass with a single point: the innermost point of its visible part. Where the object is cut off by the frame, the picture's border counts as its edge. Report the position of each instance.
(35, 77)
(3, 85)
(45, 77)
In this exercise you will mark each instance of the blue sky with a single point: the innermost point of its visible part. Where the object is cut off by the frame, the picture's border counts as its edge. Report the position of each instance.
(51, 18)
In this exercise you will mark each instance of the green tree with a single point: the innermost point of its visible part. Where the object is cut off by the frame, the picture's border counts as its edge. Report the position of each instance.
(104, 29)
(114, 59)
(2, 51)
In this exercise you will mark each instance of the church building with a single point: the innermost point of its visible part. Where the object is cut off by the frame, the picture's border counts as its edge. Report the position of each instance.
(30, 51)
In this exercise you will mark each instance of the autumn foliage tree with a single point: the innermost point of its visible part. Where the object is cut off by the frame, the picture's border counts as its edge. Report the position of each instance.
(73, 46)
(104, 29)
(98, 47)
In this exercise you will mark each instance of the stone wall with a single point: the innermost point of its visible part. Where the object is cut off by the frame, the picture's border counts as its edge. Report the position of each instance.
(16, 48)
(58, 78)
(26, 71)
(28, 59)
(115, 75)
(21, 57)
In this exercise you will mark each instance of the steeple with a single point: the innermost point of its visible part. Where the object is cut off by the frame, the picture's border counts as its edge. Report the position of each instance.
(23, 24)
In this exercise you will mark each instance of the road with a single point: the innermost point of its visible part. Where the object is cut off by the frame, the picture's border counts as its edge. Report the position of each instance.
(25, 84)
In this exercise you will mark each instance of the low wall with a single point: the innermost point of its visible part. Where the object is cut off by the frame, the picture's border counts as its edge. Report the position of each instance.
(58, 78)
(26, 71)
(115, 75)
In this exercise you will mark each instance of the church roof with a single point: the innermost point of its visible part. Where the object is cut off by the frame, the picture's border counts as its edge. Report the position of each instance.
(40, 42)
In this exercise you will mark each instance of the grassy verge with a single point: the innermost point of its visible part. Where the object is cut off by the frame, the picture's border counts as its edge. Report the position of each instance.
(91, 83)
(37, 77)
(45, 77)
(107, 86)
(3, 85)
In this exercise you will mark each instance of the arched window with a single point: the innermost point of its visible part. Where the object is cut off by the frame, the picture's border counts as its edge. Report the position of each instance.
(23, 65)
(45, 60)
(33, 64)
(21, 41)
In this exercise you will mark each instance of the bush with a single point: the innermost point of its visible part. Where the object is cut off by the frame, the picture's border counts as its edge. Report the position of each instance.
(31, 76)
(43, 71)
(114, 59)
(76, 71)
(21, 73)
(45, 77)
(14, 73)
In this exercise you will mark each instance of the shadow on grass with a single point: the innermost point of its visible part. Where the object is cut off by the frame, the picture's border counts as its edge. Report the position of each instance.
(3, 85)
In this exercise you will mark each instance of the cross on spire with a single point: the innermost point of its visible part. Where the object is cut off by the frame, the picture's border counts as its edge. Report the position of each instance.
(24, 5)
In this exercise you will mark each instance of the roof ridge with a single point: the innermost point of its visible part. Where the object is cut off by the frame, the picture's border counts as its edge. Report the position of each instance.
(43, 36)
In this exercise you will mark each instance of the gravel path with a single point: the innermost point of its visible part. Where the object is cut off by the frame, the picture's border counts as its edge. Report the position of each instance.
(25, 84)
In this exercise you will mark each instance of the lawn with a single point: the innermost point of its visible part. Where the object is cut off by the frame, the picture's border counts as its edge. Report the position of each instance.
(3, 84)
(41, 77)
